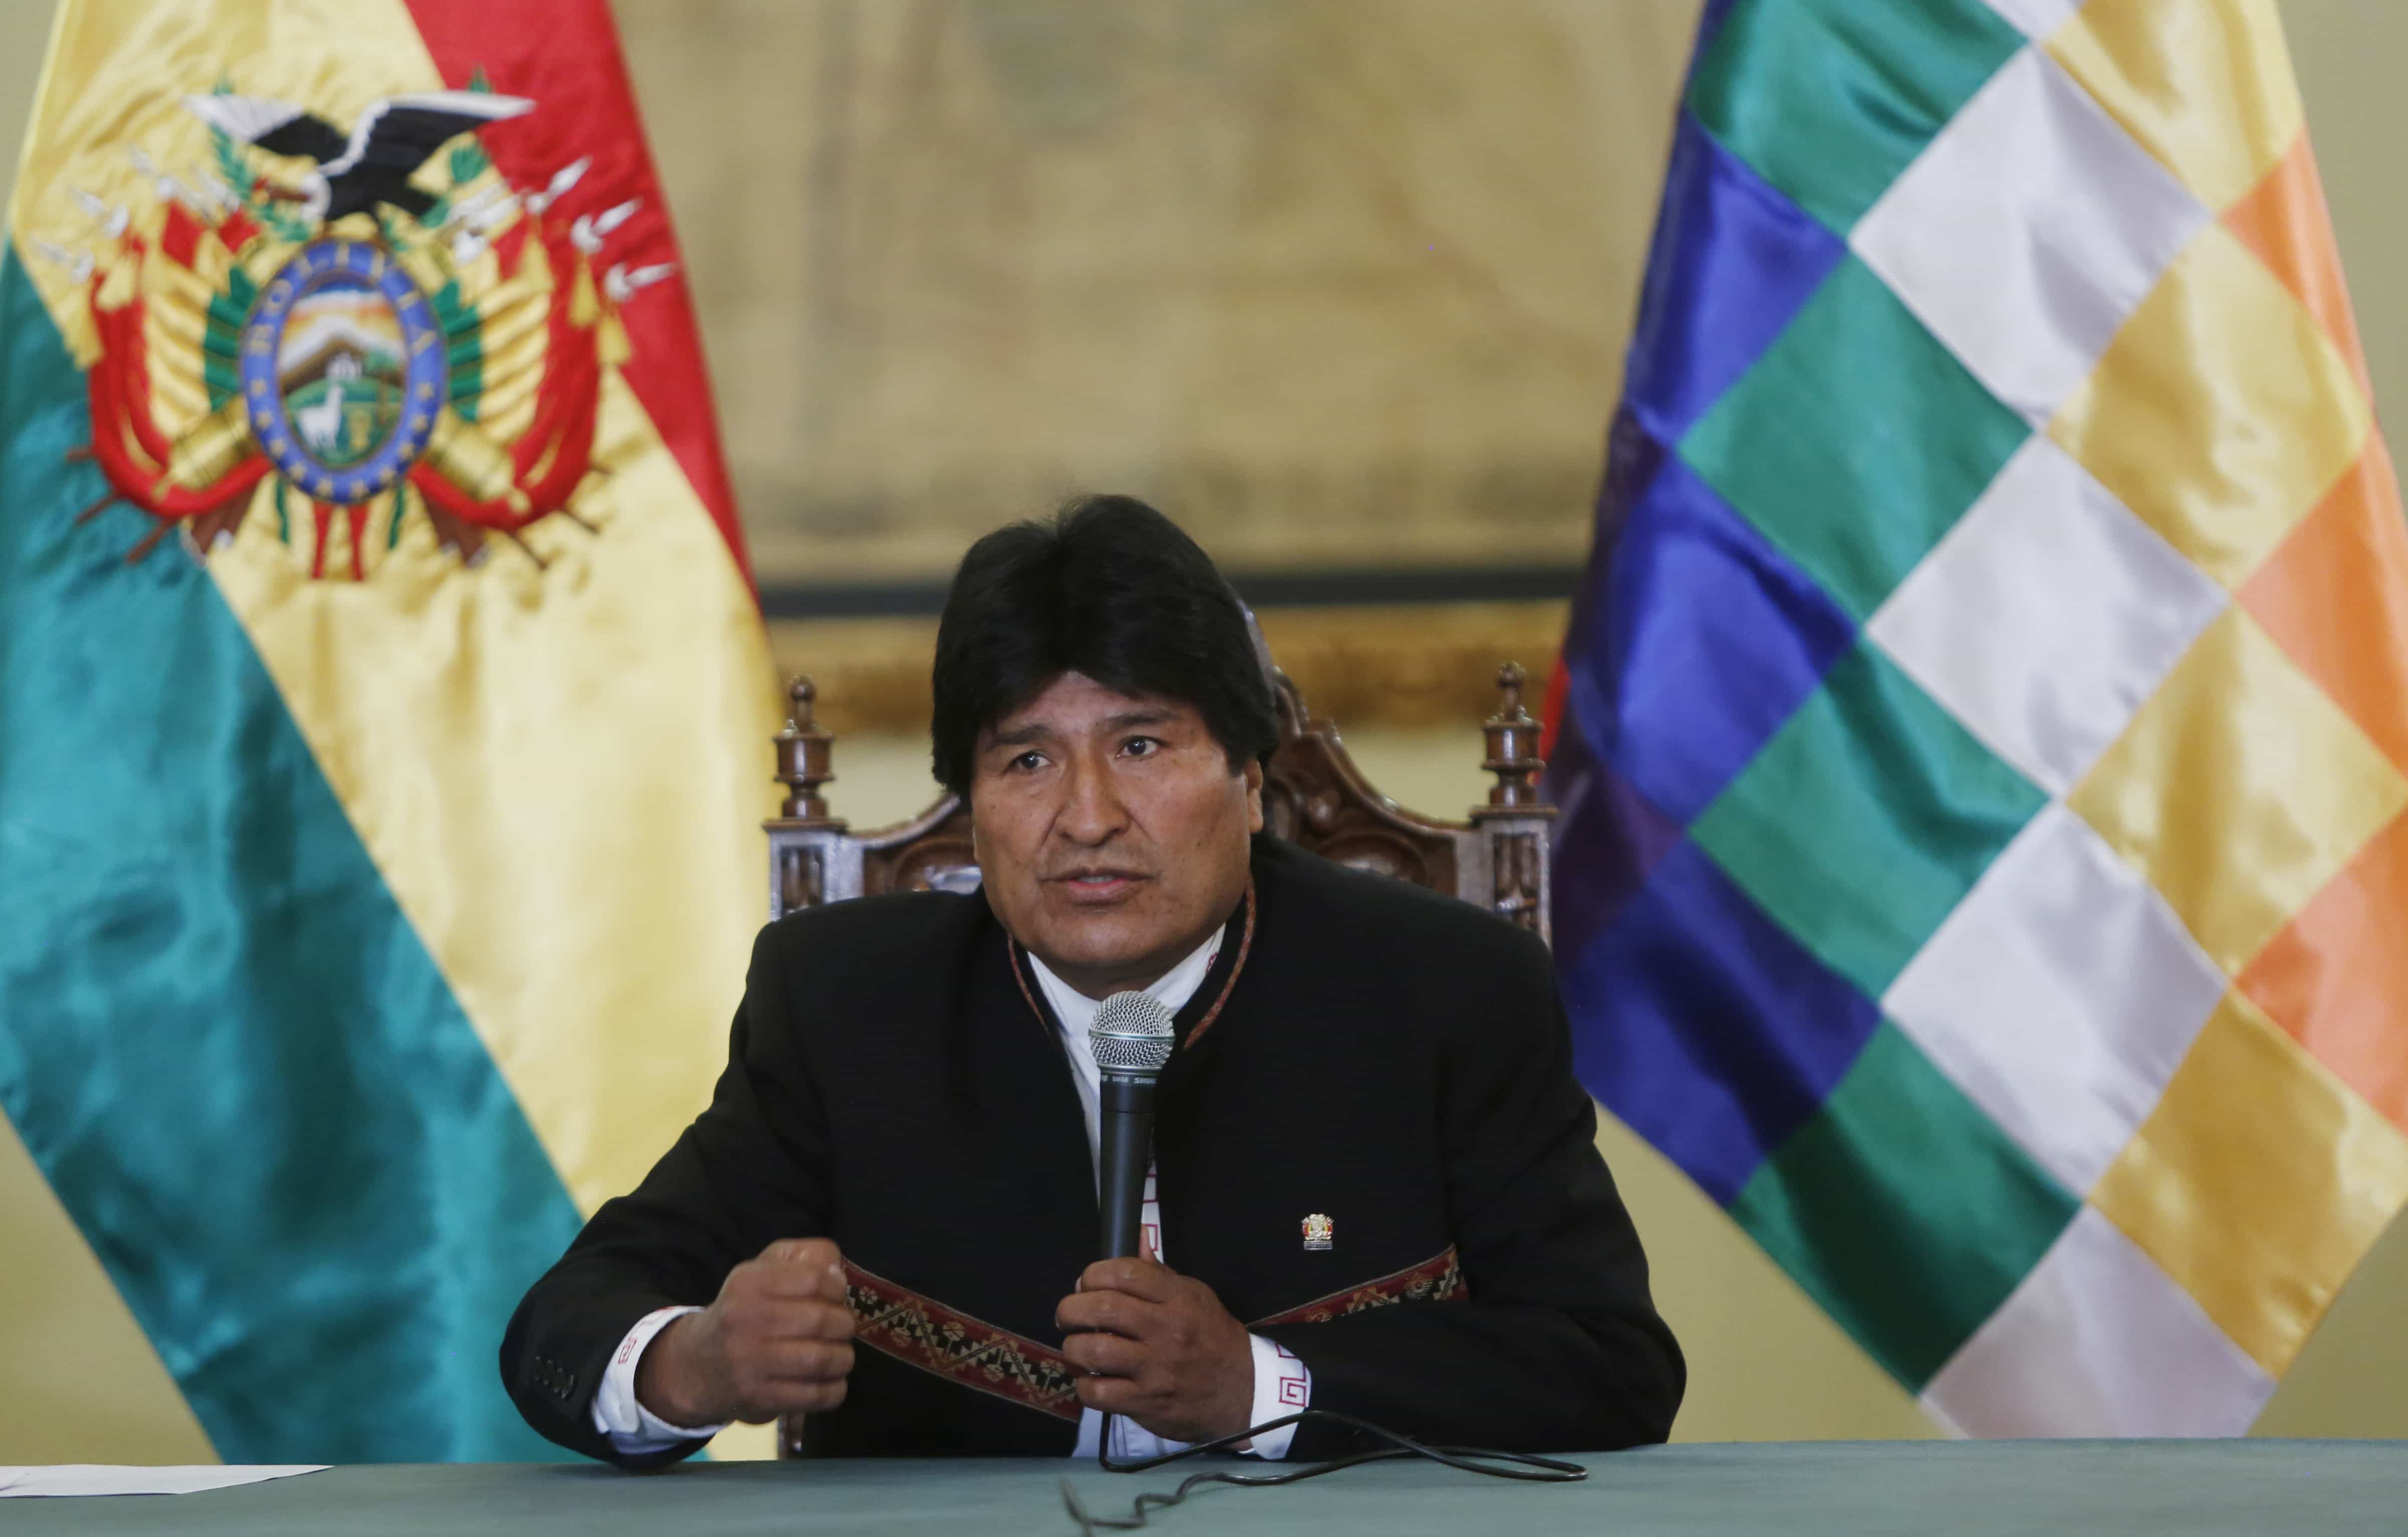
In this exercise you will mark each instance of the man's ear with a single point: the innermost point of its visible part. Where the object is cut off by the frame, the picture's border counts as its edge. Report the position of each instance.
(1253, 777)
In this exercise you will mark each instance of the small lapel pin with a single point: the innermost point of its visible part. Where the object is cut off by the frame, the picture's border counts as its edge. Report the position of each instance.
(1318, 1232)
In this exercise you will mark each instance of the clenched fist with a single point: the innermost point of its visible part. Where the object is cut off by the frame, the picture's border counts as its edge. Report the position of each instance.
(1161, 1348)
(778, 1340)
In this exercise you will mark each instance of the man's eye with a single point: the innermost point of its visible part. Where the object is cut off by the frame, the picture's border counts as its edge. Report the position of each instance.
(1028, 762)
(1141, 747)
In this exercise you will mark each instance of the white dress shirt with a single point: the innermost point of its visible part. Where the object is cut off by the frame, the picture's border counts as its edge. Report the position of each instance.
(1283, 1383)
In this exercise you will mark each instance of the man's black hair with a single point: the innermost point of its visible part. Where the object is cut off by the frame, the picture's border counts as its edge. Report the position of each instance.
(1110, 588)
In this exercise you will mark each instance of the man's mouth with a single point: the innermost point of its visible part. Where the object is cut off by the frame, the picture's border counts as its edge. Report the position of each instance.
(1101, 884)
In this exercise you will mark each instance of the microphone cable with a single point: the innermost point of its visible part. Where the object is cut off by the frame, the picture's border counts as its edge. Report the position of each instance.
(1520, 1466)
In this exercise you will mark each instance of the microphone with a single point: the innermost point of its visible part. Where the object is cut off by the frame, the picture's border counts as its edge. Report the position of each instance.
(1132, 1038)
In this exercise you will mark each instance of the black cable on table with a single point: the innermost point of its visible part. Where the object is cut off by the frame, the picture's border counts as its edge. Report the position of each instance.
(1473, 1460)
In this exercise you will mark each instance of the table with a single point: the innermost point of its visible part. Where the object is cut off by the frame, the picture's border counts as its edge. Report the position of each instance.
(1856, 1488)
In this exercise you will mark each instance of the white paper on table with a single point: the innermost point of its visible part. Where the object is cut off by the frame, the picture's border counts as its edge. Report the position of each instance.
(80, 1478)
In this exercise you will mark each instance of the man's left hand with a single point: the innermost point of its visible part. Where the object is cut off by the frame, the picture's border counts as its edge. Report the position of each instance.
(1163, 1349)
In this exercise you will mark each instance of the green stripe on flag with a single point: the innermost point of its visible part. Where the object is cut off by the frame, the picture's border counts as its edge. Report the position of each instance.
(1829, 100)
(1903, 1210)
(222, 1040)
(1867, 817)
(1855, 441)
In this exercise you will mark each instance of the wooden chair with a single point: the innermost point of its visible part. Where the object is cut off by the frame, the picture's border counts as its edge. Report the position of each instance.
(1313, 795)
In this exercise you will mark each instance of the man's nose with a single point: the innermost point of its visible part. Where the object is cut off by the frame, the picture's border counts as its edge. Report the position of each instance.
(1092, 810)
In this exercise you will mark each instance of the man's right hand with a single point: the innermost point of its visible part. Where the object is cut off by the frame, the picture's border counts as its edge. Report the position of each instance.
(778, 1340)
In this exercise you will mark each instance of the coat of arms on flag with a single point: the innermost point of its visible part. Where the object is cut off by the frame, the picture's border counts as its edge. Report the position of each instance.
(296, 309)
(1984, 752)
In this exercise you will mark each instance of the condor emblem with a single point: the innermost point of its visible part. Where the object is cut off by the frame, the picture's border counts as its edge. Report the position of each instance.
(1317, 1233)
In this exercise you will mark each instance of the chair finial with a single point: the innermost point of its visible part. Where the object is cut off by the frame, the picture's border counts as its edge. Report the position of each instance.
(1510, 678)
(804, 751)
(1513, 741)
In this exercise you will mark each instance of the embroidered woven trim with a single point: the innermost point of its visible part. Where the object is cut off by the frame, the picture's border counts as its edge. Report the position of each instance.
(1437, 1279)
(920, 1332)
(923, 1332)
(1245, 945)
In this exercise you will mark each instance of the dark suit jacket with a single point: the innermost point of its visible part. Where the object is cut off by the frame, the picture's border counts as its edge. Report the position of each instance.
(1393, 1060)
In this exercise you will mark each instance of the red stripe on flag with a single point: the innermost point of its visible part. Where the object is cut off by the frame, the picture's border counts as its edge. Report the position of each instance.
(564, 55)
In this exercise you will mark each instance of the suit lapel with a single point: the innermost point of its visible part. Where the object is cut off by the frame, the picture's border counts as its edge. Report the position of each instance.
(1022, 1080)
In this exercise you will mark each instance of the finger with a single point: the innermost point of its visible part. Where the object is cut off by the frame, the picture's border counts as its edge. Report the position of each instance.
(1112, 1311)
(802, 1251)
(793, 1397)
(1106, 1355)
(817, 1257)
(795, 1280)
(758, 1320)
(1118, 1396)
(1148, 1279)
(803, 1361)
(810, 1320)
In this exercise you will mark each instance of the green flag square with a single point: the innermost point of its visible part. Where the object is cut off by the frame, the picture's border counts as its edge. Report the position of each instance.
(1903, 1210)
(1855, 441)
(1866, 818)
(1829, 100)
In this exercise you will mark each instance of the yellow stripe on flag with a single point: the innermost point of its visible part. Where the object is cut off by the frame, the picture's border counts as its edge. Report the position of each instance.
(561, 775)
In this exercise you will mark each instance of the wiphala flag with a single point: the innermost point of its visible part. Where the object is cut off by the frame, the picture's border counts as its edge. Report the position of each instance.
(1983, 851)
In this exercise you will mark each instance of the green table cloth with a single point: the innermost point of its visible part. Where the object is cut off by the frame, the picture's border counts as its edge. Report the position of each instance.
(1858, 1489)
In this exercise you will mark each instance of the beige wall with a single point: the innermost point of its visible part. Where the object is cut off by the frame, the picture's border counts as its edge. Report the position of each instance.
(25, 24)
(76, 1382)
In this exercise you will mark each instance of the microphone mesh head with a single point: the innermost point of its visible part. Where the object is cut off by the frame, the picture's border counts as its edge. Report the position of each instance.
(1131, 1034)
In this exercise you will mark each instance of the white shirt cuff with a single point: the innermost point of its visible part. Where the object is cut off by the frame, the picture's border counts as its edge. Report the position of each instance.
(633, 1429)
(1283, 1385)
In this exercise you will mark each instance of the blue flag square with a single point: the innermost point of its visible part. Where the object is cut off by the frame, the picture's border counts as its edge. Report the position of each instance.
(1722, 231)
(1700, 641)
(1705, 1028)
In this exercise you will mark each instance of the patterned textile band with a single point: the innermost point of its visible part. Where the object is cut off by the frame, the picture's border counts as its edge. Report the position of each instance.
(1437, 1279)
(920, 1332)
(1245, 946)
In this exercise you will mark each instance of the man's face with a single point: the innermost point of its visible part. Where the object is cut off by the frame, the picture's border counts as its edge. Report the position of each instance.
(1112, 832)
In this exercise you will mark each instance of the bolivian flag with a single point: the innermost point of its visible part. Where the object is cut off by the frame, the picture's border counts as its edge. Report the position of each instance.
(383, 694)
(1986, 770)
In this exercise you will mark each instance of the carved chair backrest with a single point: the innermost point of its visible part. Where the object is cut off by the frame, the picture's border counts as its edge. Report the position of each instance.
(1313, 795)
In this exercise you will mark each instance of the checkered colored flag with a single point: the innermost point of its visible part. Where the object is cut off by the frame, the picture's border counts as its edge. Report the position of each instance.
(1984, 725)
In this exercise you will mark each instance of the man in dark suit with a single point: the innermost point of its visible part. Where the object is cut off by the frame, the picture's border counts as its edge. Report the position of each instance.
(1378, 1190)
